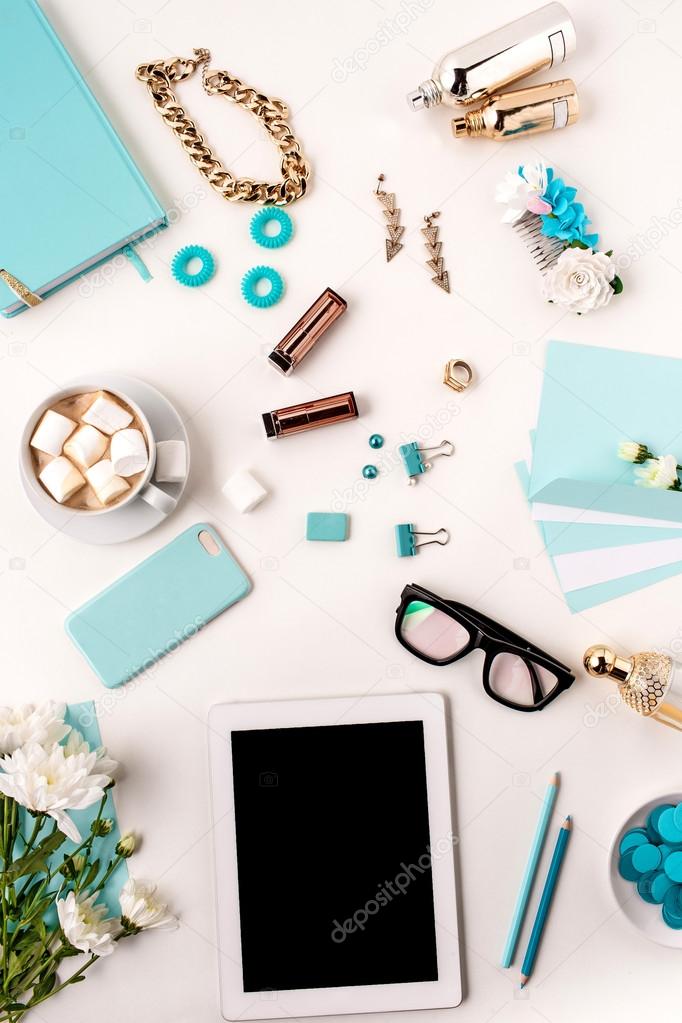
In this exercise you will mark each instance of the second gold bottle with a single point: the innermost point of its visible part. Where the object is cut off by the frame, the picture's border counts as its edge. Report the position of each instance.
(521, 112)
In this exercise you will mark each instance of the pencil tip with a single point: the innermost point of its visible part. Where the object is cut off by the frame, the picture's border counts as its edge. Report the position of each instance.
(568, 823)
(523, 982)
(555, 778)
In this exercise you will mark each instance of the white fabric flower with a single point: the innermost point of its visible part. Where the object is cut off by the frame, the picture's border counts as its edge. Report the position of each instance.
(141, 908)
(49, 781)
(580, 280)
(76, 744)
(660, 473)
(42, 723)
(519, 187)
(85, 924)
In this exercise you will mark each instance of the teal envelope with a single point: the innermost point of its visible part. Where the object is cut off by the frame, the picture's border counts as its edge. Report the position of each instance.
(565, 538)
(594, 398)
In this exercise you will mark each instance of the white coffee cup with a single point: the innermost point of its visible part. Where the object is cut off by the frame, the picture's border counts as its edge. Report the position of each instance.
(143, 488)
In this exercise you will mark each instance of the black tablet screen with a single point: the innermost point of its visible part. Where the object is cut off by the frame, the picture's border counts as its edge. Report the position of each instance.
(333, 856)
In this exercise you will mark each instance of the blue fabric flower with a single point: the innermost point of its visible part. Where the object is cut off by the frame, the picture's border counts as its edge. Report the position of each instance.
(567, 220)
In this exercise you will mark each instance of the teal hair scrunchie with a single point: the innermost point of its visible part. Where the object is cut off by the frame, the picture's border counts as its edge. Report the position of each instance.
(250, 281)
(265, 216)
(181, 260)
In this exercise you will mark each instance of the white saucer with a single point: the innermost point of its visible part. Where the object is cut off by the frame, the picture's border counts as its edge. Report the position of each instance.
(137, 517)
(642, 915)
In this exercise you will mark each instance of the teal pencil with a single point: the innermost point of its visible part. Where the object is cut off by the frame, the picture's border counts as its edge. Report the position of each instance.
(546, 900)
(531, 868)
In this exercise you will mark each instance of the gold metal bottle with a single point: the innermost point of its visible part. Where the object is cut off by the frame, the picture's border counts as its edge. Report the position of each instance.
(649, 683)
(521, 112)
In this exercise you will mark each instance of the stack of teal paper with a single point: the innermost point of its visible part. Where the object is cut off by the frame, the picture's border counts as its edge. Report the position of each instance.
(605, 536)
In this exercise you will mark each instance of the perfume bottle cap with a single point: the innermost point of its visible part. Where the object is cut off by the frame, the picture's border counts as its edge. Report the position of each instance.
(460, 127)
(602, 660)
(643, 679)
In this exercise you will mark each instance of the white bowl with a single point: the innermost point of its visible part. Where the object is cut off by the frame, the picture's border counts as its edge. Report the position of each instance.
(642, 915)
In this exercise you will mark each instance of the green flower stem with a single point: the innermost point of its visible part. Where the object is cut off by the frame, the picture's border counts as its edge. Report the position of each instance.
(60, 987)
(107, 874)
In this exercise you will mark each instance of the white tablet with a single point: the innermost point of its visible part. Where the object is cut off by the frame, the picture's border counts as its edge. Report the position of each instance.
(334, 857)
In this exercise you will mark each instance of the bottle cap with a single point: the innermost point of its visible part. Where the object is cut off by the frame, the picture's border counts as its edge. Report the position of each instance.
(460, 127)
(429, 94)
(643, 679)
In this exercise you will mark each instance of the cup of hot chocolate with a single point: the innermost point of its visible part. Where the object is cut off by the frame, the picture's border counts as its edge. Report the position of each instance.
(91, 450)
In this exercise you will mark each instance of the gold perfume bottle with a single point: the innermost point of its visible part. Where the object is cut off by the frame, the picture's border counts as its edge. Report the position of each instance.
(521, 112)
(648, 683)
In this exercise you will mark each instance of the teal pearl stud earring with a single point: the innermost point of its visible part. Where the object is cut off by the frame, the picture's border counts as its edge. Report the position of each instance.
(376, 441)
(370, 472)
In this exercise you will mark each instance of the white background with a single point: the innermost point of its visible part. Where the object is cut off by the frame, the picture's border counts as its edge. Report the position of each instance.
(320, 618)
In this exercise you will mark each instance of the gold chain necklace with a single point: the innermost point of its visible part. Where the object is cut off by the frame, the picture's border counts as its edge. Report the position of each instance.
(159, 78)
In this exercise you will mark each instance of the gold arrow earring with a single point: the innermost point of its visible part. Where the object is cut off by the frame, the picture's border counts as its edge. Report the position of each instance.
(387, 200)
(433, 247)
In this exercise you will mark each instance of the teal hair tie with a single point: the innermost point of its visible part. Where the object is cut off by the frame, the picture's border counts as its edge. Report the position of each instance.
(181, 260)
(271, 241)
(250, 281)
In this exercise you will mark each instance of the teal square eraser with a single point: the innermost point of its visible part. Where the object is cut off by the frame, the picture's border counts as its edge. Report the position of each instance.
(326, 526)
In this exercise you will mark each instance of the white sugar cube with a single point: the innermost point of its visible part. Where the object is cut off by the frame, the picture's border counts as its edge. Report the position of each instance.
(107, 415)
(128, 452)
(244, 491)
(171, 461)
(86, 446)
(61, 478)
(104, 481)
(51, 432)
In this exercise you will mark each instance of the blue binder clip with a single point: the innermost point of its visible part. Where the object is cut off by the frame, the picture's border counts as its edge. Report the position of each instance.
(405, 545)
(415, 465)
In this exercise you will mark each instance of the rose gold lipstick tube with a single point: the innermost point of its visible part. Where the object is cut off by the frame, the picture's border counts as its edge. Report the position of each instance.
(322, 412)
(293, 348)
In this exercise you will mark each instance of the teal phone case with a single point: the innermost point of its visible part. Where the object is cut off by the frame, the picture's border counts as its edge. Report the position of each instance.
(159, 604)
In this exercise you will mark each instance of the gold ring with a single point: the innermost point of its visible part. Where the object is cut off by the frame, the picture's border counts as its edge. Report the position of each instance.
(458, 375)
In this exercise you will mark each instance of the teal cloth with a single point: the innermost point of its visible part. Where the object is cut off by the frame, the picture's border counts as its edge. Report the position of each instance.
(83, 717)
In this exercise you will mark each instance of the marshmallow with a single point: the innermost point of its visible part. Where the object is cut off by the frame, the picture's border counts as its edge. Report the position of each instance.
(52, 431)
(107, 415)
(244, 491)
(86, 446)
(171, 461)
(61, 478)
(128, 452)
(104, 481)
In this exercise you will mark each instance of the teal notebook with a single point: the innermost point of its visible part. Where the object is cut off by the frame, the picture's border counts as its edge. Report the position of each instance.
(71, 197)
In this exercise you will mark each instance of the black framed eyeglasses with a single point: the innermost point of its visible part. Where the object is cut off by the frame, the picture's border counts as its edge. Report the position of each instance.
(515, 672)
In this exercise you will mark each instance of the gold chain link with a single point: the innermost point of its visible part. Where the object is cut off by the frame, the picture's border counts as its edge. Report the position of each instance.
(273, 113)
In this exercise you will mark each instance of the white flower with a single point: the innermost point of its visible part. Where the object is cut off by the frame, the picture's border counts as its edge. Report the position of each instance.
(660, 473)
(76, 744)
(631, 451)
(49, 781)
(42, 723)
(519, 187)
(580, 280)
(85, 924)
(141, 908)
